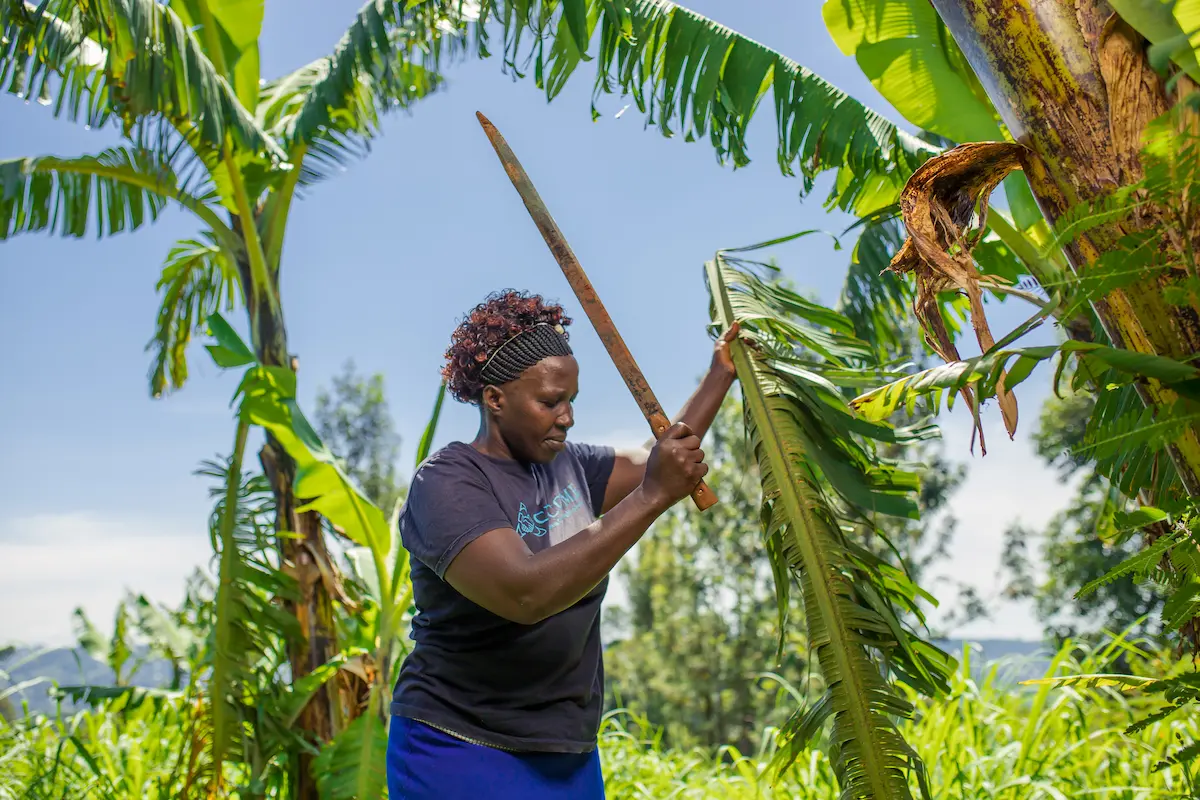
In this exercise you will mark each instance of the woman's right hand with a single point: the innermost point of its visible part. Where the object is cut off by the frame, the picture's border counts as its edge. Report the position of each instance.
(675, 466)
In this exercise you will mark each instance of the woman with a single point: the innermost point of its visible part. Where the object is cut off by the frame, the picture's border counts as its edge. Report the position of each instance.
(502, 694)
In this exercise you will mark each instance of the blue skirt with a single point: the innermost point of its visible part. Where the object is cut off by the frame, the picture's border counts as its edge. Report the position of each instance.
(423, 763)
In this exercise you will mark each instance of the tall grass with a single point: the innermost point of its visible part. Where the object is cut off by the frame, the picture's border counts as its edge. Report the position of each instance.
(990, 738)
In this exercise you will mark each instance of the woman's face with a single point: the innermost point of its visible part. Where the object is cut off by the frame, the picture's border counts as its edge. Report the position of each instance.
(534, 413)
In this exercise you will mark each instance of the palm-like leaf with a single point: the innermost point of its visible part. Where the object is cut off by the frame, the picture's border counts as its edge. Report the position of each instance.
(250, 631)
(238, 24)
(1015, 364)
(875, 300)
(117, 190)
(385, 61)
(817, 474)
(904, 49)
(35, 51)
(688, 72)
(154, 70)
(354, 765)
(198, 279)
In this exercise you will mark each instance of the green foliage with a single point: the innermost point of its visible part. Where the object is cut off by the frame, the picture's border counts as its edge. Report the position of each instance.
(875, 300)
(142, 48)
(268, 401)
(819, 470)
(697, 648)
(904, 49)
(197, 280)
(692, 75)
(987, 739)
(354, 764)
(1014, 365)
(119, 189)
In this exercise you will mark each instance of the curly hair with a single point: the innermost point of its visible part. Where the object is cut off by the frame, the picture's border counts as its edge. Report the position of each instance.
(501, 316)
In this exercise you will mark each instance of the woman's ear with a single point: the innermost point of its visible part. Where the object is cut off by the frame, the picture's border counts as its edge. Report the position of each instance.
(492, 399)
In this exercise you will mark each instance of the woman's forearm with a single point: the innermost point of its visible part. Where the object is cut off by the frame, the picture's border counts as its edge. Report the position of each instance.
(559, 577)
(498, 572)
(701, 408)
(697, 413)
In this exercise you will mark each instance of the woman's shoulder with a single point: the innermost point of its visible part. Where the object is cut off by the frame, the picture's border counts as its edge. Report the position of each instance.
(453, 456)
(445, 473)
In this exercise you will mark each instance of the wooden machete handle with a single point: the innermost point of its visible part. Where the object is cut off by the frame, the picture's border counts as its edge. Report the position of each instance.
(702, 496)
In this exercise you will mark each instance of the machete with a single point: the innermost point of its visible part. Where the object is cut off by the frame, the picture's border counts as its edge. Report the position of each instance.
(601, 321)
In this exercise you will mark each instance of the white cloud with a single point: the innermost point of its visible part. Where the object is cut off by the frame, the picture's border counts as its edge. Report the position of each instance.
(55, 562)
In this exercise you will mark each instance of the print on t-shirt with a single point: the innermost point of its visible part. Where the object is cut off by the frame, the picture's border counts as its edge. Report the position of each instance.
(555, 517)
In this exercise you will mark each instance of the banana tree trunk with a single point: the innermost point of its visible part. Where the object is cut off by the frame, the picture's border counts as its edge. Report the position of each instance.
(1072, 83)
(305, 556)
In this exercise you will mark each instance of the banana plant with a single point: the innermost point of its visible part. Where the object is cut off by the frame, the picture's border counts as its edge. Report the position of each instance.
(819, 473)
(352, 765)
(206, 133)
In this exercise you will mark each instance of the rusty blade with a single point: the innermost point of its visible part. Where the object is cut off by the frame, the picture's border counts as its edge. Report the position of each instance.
(601, 321)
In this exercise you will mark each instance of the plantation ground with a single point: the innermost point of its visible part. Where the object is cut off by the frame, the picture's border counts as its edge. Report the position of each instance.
(987, 739)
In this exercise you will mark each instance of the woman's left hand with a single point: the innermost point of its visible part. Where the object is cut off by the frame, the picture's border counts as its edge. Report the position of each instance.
(722, 359)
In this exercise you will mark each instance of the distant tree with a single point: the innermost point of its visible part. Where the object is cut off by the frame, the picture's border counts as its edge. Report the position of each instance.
(354, 420)
(698, 647)
(701, 623)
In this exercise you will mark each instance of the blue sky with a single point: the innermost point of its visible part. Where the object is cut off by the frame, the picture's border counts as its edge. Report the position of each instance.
(379, 264)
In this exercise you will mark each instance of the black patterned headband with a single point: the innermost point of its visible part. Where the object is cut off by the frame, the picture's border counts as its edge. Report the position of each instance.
(523, 351)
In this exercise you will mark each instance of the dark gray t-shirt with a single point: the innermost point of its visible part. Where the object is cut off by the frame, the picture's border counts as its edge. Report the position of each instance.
(522, 687)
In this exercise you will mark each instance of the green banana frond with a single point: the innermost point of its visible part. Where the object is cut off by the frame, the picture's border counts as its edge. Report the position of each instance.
(116, 190)
(1015, 364)
(877, 301)
(690, 74)
(904, 49)
(353, 762)
(250, 629)
(153, 69)
(238, 25)
(198, 279)
(819, 472)
(354, 765)
(386, 61)
(36, 52)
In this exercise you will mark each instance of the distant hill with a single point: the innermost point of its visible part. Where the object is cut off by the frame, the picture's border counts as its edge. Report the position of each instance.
(1019, 660)
(65, 666)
